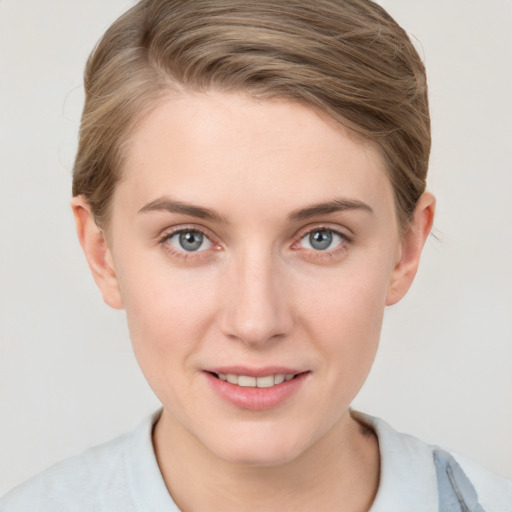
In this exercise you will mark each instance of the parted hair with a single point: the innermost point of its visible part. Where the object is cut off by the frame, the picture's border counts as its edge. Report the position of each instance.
(347, 58)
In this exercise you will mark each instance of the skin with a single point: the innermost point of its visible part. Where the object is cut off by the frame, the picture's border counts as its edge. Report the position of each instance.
(256, 293)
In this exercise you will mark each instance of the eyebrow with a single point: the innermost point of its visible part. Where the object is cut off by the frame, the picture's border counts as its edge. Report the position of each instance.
(336, 205)
(166, 204)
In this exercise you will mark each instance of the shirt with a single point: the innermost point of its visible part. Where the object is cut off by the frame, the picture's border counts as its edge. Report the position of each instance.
(123, 476)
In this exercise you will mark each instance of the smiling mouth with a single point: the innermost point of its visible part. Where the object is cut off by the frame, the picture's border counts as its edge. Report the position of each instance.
(247, 381)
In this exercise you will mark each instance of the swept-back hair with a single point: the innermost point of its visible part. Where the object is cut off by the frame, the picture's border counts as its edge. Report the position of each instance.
(347, 58)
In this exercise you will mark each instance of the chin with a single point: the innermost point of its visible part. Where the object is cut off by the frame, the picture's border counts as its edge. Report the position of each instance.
(257, 445)
(268, 456)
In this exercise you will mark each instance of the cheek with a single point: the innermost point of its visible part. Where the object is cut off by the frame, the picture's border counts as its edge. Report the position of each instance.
(168, 319)
(168, 311)
(349, 300)
(343, 312)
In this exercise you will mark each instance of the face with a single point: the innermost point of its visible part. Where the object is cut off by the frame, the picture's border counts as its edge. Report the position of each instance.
(254, 244)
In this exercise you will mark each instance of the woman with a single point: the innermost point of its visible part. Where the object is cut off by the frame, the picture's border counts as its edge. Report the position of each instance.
(250, 188)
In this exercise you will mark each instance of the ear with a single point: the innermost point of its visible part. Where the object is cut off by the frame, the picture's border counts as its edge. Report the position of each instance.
(411, 245)
(96, 250)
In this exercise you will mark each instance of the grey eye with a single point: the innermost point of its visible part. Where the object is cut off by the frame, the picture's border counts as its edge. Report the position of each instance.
(321, 240)
(190, 241)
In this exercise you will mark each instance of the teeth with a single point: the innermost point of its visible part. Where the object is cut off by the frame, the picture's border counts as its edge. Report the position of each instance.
(255, 382)
(246, 382)
(278, 379)
(265, 382)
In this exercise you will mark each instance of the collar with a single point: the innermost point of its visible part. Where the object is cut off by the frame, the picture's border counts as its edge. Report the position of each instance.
(407, 472)
(147, 486)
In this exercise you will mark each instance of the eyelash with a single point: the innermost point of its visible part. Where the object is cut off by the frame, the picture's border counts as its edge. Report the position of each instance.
(328, 253)
(185, 255)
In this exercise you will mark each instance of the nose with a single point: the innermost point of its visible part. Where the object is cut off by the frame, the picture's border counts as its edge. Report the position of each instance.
(256, 307)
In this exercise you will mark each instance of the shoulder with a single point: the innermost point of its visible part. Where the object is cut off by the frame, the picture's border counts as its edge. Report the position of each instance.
(494, 491)
(102, 478)
(430, 475)
(72, 484)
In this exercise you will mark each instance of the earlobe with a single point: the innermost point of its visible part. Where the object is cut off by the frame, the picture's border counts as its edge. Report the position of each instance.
(411, 246)
(96, 250)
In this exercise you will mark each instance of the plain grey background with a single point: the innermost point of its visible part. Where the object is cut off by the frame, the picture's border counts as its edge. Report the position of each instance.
(68, 378)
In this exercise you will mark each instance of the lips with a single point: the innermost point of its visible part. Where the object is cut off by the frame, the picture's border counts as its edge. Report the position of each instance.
(256, 389)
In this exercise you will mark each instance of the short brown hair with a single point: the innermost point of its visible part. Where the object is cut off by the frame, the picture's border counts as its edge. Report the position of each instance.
(348, 58)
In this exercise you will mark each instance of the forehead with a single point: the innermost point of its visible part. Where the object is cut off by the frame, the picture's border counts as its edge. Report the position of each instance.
(211, 147)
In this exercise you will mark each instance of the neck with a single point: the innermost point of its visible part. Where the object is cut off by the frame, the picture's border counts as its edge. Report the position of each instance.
(339, 471)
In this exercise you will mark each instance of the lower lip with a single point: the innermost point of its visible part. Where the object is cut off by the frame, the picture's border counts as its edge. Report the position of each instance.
(256, 399)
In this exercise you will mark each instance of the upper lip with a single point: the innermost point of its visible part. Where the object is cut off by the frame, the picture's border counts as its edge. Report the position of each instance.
(255, 372)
